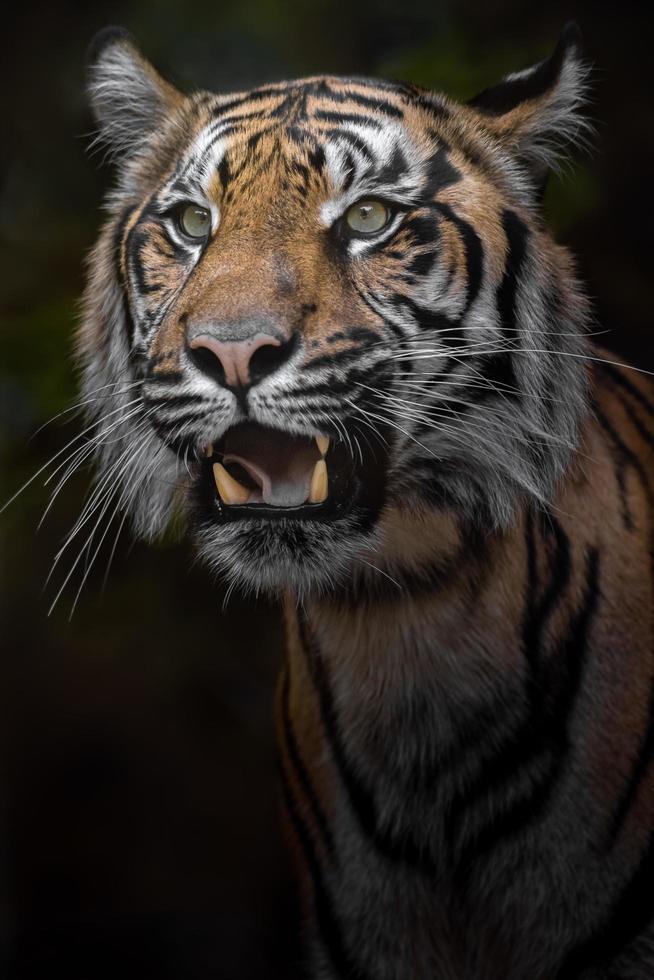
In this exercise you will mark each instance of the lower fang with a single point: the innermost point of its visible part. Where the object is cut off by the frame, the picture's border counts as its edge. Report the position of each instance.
(230, 490)
(319, 483)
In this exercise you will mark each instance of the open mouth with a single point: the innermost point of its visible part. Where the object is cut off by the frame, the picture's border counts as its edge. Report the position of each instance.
(254, 471)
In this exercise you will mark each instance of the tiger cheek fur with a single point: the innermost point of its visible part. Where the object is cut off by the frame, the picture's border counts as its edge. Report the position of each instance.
(326, 319)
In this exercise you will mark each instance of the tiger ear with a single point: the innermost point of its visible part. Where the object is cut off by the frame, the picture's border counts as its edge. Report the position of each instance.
(129, 99)
(537, 113)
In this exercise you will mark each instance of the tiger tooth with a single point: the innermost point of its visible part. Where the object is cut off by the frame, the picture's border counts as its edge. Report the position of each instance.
(319, 483)
(322, 443)
(230, 490)
(209, 451)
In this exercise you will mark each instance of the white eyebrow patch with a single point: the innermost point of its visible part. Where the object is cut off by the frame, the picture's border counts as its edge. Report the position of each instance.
(381, 146)
(207, 152)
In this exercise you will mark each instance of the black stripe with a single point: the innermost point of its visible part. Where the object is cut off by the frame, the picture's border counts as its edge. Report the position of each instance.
(301, 772)
(378, 310)
(630, 916)
(343, 118)
(261, 115)
(440, 487)
(473, 251)
(224, 173)
(395, 168)
(548, 737)
(498, 371)
(638, 425)
(354, 141)
(118, 241)
(350, 171)
(517, 235)
(316, 155)
(328, 926)
(440, 172)
(119, 263)
(641, 765)
(428, 101)
(524, 744)
(164, 377)
(295, 168)
(529, 620)
(450, 332)
(336, 359)
(367, 102)
(628, 385)
(628, 458)
(416, 582)
(334, 386)
(284, 109)
(393, 847)
(206, 157)
(537, 611)
(164, 425)
(423, 228)
(136, 240)
(422, 263)
(173, 401)
(623, 458)
(303, 138)
(258, 95)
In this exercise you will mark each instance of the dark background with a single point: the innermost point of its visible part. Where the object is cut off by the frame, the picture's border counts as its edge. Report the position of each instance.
(139, 814)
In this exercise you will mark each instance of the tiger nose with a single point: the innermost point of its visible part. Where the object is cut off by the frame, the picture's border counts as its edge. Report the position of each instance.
(235, 358)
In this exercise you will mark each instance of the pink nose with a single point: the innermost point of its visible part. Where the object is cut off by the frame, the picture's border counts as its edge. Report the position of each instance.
(234, 355)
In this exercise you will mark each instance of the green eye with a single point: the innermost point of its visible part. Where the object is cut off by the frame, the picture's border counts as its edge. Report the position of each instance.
(367, 217)
(195, 221)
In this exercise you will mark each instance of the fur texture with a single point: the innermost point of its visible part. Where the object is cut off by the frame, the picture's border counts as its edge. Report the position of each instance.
(465, 717)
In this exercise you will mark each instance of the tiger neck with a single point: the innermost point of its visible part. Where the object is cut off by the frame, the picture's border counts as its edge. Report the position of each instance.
(417, 630)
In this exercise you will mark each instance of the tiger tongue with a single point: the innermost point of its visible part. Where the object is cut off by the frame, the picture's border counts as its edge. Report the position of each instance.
(280, 464)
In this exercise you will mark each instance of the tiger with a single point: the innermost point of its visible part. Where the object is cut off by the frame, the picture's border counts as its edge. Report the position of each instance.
(326, 324)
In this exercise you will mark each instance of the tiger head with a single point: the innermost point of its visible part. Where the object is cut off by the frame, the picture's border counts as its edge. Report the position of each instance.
(323, 304)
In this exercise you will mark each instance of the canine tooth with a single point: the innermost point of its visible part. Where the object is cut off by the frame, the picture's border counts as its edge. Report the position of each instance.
(322, 443)
(230, 490)
(209, 451)
(319, 483)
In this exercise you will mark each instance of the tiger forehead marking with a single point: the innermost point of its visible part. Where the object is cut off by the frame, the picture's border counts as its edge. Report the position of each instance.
(273, 184)
(367, 138)
(279, 170)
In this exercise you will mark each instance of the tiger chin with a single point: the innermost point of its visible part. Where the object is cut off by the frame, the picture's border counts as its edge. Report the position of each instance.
(326, 319)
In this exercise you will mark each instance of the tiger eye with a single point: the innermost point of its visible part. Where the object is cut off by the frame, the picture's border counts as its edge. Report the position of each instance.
(367, 217)
(195, 221)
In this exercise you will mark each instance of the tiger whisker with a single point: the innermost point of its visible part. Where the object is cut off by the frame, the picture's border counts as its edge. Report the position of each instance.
(534, 350)
(381, 572)
(77, 458)
(104, 501)
(56, 455)
(457, 433)
(98, 494)
(426, 413)
(105, 577)
(86, 401)
(123, 500)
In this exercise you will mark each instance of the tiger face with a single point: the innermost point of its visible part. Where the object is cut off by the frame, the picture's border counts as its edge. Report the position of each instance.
(322, 304)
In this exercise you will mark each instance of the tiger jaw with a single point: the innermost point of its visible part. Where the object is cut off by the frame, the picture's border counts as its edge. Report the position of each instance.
(232, 493)
(307, 485)
(258, 472)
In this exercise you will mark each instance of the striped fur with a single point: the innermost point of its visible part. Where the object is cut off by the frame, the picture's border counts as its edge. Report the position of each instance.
(465, 714)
